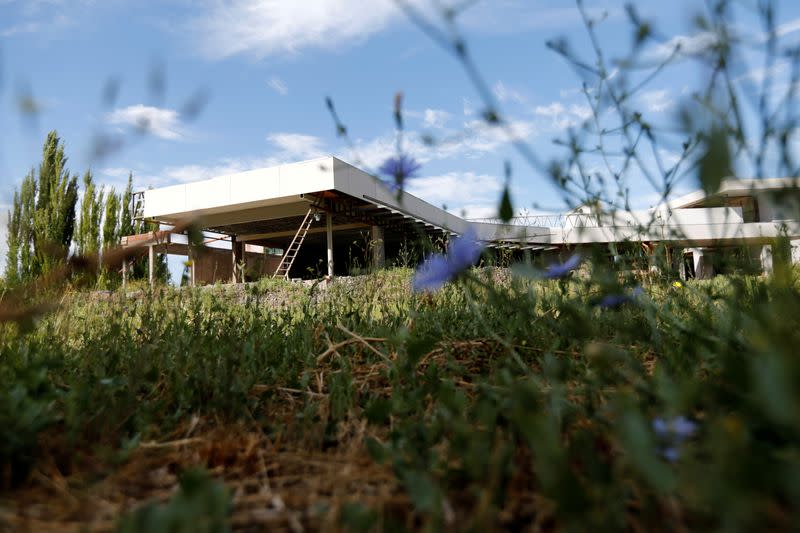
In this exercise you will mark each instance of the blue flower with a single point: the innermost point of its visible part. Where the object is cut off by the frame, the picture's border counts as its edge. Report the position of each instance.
(613, 301)
(671, 454)
(556, 271)
(438, 269)
(398, 169)
(673, 433)
(680, 427)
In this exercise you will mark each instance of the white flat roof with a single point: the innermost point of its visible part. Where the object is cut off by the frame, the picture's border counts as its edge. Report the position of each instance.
(281, 192)
(282, 188)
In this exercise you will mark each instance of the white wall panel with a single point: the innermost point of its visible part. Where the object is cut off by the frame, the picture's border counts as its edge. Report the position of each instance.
(208, 194)
(255, 185)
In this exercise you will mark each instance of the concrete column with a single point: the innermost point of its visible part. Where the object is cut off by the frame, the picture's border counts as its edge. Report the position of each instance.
(682, 265)
(124, 274)
(237, 256)
(703, 268)
(329, 227)
(795, 251)
(766, 258)
(151, 260)
(378, 248)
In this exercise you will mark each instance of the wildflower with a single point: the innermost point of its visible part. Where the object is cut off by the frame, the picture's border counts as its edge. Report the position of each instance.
(613, 301)
(438, 269)
(398, 169)
(556, 271)
(680, 427)
(673, 433)
(677, 284)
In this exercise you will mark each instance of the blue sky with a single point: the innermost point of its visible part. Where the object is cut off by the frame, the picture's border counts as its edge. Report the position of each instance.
(264, 67)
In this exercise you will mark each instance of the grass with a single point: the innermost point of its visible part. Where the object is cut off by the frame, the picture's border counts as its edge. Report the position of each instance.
(498, 402)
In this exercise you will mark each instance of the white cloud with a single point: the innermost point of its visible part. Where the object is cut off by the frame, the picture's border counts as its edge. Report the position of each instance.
(161, 122)
(469, 110)
(297, 146)
(686, 45)
(788, 27)
(562, 116)
(268, 27)
(479, 193)
(657, 101)
(187, 173)
(435, 118)
(475, 140)
(504, 93)
(278, 85)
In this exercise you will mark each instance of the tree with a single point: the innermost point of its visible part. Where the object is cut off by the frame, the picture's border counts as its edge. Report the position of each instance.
(88, 236)
(54, 218)
(111, 220)
(12, 239)
(21, 254)
(126, 220)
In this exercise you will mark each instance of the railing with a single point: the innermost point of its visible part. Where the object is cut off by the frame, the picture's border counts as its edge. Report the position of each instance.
(564, 221)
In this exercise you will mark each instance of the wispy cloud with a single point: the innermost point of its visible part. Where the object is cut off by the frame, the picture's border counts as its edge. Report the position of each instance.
(41, 16)
(161, 122)
(435, 118)
(685, 45)
(278, 85)
(563, 117)
(657, 101)
(296, 146)
(475, 193)
(504, 93)
(266, 27)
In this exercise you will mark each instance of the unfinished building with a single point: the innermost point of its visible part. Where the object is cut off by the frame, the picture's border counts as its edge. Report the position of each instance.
(302, 220)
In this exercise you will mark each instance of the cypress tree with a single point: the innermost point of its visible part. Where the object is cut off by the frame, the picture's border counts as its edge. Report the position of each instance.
(125, 218)
(54, 217)
(27, 209)
(12, 240)
(111, 220)
(88, 235)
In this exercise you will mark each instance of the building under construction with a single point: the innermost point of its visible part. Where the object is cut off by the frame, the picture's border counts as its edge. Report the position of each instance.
(302, 220)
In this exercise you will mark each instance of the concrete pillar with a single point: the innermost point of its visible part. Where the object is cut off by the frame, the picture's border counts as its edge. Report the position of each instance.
(766, 258)
(237, 256)
(682, 264)
(124, 274)
(703, 268)
(151, 260)
(795, 251)
(329, 227)
(378, 248)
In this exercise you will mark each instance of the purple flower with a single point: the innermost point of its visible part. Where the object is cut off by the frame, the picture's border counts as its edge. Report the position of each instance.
(398, 169)
(679, 427)
(671, 454)
(556, 271)
(673, 433)
(438, 269)
(613, 301)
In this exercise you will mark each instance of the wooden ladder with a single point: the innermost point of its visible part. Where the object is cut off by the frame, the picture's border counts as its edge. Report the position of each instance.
(294, 248)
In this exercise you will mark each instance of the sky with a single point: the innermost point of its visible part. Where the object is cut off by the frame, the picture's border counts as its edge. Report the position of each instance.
(230, 85)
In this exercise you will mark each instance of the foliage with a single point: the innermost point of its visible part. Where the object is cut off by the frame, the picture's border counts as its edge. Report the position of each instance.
(201, 504)
(88, 237)
(489, 392)
(594, 394)
(42, 219)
